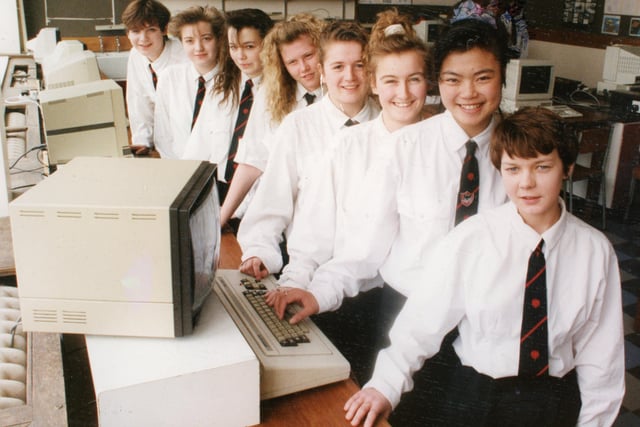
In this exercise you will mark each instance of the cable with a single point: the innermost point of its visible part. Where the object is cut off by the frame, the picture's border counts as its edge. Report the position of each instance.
(37, 147)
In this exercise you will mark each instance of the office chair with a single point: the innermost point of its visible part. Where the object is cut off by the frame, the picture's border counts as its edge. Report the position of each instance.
(594, 141)
(635, 176)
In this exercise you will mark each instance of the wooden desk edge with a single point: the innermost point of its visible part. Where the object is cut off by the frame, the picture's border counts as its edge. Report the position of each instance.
(321, 405)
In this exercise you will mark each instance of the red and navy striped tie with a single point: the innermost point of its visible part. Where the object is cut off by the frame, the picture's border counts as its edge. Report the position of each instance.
(534, 336)
(467, 201)
(199, 99)
(246, 100)
(154, 76)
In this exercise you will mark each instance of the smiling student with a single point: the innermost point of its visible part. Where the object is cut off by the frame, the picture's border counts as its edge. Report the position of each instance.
(541, 342)
(182, 88)
(413, 202)
(301, 141)
(152, 51)
(225, 116)
(291, 81)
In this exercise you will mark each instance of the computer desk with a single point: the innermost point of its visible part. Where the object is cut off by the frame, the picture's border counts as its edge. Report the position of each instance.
(318, 406)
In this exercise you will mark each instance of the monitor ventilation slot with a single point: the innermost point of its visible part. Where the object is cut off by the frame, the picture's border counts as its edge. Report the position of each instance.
(76, 317)
(69, 214)
(45, 316)
(32, 213)
(106, 215)
(143, 217)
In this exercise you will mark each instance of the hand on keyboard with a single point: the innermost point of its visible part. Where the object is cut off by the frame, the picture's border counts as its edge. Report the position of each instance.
(282, 297)
(254, 267)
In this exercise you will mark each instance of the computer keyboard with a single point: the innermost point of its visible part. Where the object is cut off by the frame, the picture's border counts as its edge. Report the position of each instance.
(563, 111)
(292, 357)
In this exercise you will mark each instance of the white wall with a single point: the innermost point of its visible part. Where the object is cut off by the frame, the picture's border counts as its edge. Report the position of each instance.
(572, 62)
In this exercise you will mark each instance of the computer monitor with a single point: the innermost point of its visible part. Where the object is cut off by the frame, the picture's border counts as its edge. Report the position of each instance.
(86, 119)
(429, 30)
(528, 82)
(117, 246)
(621, 64)
(68, 65)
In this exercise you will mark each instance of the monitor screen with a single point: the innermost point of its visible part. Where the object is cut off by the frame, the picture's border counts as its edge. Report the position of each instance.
(535, 79)
(529, 80)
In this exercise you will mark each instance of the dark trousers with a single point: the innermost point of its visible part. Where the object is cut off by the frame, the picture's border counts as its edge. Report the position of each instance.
(474, 399)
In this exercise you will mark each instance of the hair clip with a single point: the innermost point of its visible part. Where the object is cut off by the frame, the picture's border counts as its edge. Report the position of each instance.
(394, 29)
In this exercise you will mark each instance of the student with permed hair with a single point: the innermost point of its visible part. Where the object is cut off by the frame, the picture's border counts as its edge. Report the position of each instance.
(541, 341)
(152, 51)
(182, 88)
(291, 81)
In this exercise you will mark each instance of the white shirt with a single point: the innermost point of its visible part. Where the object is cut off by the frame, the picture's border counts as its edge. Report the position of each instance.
(301, 141)
(336, 205)
(483, 296)
(409, 207)
(260, 131)
(176, 94)
(211, 135)
(258, 136)
(141, 95)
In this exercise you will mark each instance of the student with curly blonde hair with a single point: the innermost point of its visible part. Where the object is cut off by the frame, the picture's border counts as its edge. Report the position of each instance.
(291, 81)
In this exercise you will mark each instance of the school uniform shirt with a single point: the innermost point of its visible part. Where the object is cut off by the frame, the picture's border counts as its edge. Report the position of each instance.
(258, 138)
(479, 271)
(301, 141)
(211, 135)
(409, 207)
(176, 94)
(141, 95)
(336, 200)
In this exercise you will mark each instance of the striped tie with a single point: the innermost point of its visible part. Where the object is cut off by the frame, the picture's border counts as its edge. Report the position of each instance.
(199, 98)
(154, 76)
(467, 202)
(246, 101)
(534, 336)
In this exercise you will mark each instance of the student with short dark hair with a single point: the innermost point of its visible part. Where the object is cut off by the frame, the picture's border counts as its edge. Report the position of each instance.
(541, 337)
(152, 51)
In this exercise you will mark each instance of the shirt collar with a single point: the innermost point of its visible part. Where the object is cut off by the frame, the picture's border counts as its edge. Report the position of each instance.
(457, 138)
(300, 92)
(530, 237)
(207, 77)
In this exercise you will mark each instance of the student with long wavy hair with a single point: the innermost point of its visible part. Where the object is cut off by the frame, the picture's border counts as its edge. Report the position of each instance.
(225, 117)
(291, 81)
(301, 141)
(181, 88)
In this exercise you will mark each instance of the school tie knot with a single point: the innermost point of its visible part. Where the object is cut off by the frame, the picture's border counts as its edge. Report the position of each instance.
(310, 98)
(534, 335)
(467, 201)
(351, 122)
